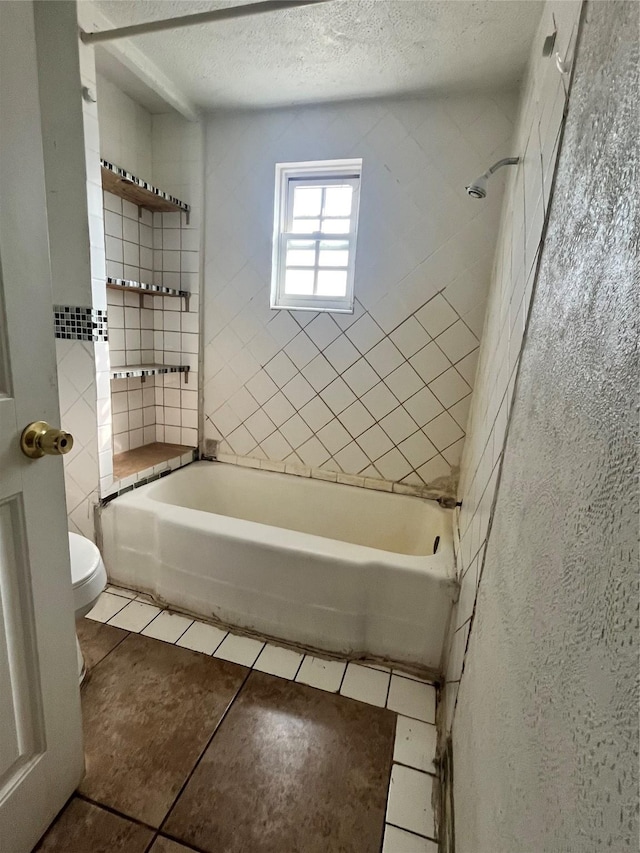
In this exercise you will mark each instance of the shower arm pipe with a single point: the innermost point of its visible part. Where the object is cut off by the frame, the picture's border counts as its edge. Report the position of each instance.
(506, 161)
(193, 20)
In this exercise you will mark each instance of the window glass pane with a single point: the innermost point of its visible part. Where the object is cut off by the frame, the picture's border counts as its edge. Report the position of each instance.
(336, 226)
(307, 201)
(301, 253)
(299, 282)
(305, 226)
(337, 201)
(333, 253)
(332, 283)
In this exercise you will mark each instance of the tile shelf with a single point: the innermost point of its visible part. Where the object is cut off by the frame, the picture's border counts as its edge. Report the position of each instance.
(144, 289)
(141, 193)
(132, 371)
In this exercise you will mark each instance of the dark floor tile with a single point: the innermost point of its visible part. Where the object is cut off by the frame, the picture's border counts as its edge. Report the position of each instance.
(166, 845)
(291, 769)
(85, 828)
(148, 712)
(97, 640)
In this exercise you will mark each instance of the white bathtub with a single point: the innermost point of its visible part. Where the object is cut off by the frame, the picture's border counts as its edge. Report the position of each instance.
(327, 566)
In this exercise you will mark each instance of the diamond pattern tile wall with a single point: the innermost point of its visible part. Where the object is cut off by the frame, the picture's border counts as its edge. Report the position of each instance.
(384, 392)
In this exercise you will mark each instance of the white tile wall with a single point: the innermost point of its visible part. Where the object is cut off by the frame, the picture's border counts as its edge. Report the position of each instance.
(422, 270)
(161, 330)
(78, 414)
(177, 167)
(525, 206)
(83, 367)
(125, 130)
(154, 248)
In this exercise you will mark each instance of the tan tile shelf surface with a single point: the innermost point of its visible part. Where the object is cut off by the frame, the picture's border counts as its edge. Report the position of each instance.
(122, 183)
(132, 461)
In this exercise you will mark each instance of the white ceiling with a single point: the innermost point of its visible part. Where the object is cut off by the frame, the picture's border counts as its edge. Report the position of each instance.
(334, 51)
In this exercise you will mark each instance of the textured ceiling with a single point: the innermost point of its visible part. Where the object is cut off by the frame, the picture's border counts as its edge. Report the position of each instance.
(335, 51)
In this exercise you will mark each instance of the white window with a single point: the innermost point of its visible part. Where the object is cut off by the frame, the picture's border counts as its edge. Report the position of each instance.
(314, 240)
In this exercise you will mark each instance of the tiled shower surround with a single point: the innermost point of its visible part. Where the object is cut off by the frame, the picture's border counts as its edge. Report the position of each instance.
(382, 393)
(526, 205)
(155, 249)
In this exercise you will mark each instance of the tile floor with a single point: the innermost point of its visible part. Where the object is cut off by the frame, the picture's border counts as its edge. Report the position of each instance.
(208, 741)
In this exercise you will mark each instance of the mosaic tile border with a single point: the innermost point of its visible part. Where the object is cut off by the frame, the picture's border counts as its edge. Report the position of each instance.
(147, 370)
(79, 323)
(127, 176)
(127, 284)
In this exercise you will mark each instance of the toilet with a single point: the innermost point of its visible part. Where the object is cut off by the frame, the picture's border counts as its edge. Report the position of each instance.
(89, 578)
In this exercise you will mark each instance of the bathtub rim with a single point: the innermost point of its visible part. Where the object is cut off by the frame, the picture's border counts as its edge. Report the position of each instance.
(441, 563)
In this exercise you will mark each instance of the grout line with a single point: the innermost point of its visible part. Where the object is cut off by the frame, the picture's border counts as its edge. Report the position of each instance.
(299, 668)
(175, 642)
(386, 799)
(386, 698)
(220, 643)
(460, 627)
(401, 674)
(411, 832)
(182, 843)
(44, 835)
(344, 672)
(120, 641)
(151, 843)
(433, 774)
(205, 748)
(113, 811)
(122, 598)
(116, 591)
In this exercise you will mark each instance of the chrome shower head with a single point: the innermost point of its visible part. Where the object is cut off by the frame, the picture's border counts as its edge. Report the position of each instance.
(478, 188)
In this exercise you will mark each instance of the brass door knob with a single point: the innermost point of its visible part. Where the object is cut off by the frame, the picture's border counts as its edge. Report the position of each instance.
(39, 439)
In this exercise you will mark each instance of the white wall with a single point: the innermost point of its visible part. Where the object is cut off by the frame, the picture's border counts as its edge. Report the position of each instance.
(382, 394)
(525, 206)
(545, 735)
(125, 130)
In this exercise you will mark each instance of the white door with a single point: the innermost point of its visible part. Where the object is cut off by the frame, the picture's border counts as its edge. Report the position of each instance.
(41, 759)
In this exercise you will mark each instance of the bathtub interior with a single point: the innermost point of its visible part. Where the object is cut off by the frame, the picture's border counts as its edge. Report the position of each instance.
(388, 522)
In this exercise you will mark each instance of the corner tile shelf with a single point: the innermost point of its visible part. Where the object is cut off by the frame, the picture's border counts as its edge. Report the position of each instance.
(122, 183)
(147, 289)
(131, 371)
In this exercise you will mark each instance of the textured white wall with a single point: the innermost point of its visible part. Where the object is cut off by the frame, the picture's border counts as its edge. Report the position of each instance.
(526, 203)
(382, 393)
(545, 734)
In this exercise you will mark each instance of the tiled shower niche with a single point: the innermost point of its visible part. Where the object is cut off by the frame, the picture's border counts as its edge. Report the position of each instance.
(154, 417)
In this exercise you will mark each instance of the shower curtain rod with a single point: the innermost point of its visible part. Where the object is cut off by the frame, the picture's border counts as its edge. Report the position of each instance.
(192, 20)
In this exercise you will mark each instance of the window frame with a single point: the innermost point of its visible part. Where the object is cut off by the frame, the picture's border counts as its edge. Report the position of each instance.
(312, 173)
